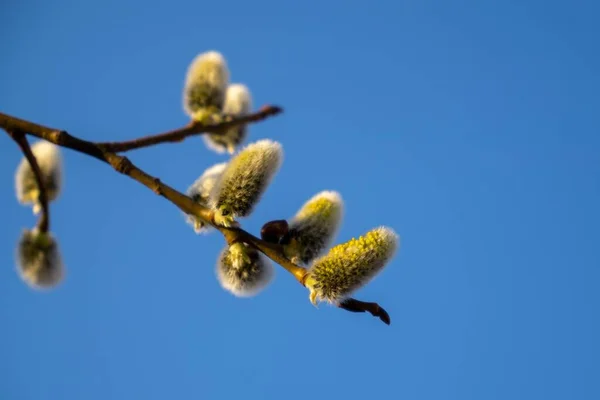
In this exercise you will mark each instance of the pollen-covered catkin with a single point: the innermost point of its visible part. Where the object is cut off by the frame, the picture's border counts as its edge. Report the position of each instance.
(49, 160)
(238, 103)
(38, 259)
(243, 271)
(200, 192)
(244, 180)
(350, 265)
(314, 227)
(205, 85)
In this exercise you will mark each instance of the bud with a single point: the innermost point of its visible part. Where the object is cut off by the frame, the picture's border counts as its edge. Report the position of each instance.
(276, 232)
(49, 160)
(243, 270)
(350, 265)
(205, 85)
(238, 103)
(314, 227)
(200, 191)
(244, 181)
(38, 259)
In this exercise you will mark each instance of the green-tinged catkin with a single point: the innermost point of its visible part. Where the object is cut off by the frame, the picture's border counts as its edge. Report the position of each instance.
(350, 265)
(200, 192)
(205, 85)
(314, 227)
(243, 271)
(244, 180)
(49, 160)
(238, 103)
(38, 259)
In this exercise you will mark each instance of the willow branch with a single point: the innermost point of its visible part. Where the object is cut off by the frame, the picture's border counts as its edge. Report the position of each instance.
(21, 140)
(193, 128)
(124, 166)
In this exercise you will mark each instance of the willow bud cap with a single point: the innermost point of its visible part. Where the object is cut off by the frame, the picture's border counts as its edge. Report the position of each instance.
(350, 265)
(275, 231)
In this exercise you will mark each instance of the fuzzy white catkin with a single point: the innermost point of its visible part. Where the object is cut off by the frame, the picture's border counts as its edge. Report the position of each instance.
(238, 103)
(49, 160)
(351, 265)
(314, 227)
(38, 260)
(243, 271)
(200, 192)
(245, 179)
(205, 85)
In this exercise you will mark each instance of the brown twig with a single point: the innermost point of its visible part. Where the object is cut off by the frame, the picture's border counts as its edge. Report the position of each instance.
(21, 140)
(193, 128)
(124, 166)
(374, 309)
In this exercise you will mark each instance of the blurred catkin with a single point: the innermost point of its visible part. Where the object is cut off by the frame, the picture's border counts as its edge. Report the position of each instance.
(205, 85)
(243, 271)
(238, 103)
(49, 159)
(351, 265)
(200, 192)
(38, 259)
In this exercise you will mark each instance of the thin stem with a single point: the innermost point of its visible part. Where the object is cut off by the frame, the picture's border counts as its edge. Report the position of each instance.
(21, 140)
(193, 128)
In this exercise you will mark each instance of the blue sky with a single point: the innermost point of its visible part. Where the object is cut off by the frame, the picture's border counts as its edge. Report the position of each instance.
(469, 127)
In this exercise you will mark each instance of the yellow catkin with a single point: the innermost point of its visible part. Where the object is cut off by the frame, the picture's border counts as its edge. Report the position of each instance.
(245, 179)
(350, 265)
(314, 227)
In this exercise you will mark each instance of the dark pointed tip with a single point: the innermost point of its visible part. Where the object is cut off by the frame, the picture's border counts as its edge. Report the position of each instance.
(384, 316)
(271, 109)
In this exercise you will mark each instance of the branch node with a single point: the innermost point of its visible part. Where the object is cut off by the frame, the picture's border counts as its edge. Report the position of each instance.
(121, 164)
(59, 137)
(157, 187)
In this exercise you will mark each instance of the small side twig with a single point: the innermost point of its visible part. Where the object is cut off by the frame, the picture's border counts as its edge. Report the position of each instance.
(21, 140)
(193, 128)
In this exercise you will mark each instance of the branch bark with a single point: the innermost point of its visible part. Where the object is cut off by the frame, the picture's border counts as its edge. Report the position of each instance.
(193, 128)
(124, 166)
